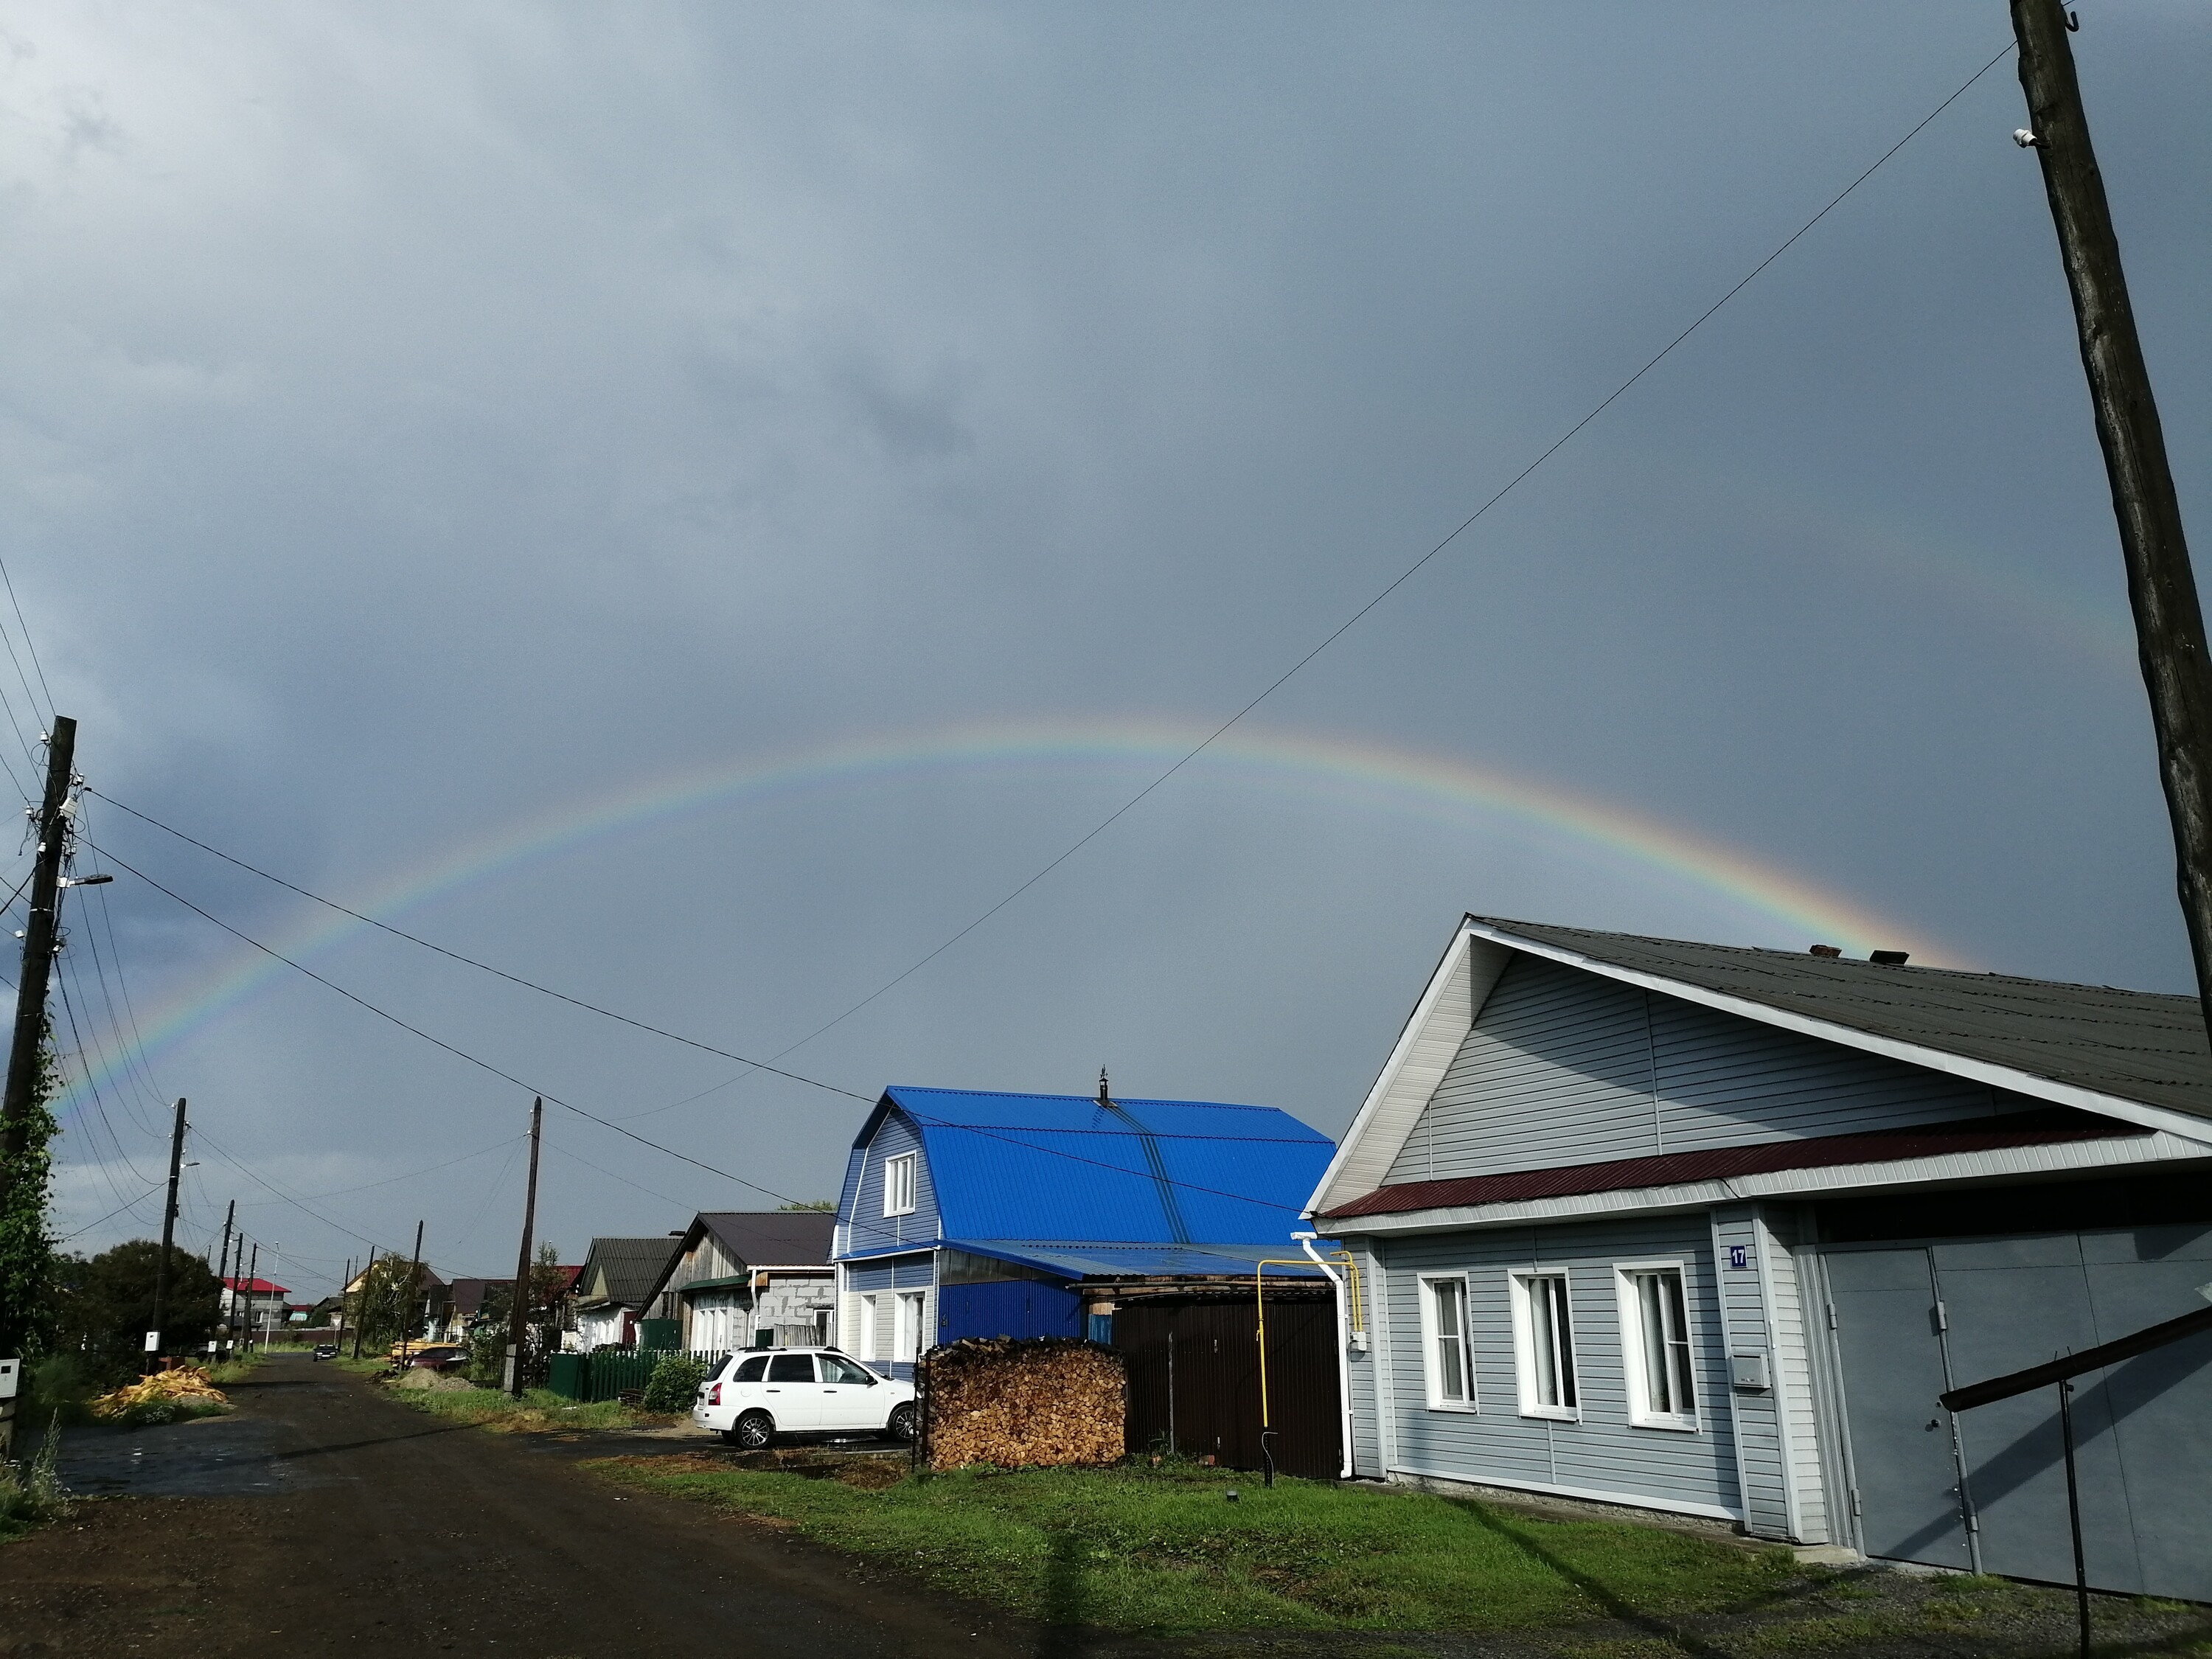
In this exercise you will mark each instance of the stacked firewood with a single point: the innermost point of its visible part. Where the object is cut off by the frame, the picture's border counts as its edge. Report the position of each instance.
(1023, 1401)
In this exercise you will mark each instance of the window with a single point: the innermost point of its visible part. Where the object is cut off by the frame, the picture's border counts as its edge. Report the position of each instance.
(1443, 1319)
(791, 1368)
(1655, 1326)
(865, 1346)
(753, 1370)
(898, 1184)
(1544, 1345)
(905, 1336)
(835, 1368)
(819, 1319)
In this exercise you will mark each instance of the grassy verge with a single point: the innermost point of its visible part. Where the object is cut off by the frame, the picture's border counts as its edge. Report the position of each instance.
(537, 1412)
(1169, 1552)
(30, 1493)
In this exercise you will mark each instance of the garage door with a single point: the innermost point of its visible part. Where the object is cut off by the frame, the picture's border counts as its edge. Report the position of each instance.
(1988, 1488)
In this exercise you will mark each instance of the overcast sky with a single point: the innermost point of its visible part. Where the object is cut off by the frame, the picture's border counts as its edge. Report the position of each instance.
(436, 435)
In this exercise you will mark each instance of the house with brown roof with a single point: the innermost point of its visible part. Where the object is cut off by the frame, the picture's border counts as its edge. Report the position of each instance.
(743, 1279)
(1710, 1230)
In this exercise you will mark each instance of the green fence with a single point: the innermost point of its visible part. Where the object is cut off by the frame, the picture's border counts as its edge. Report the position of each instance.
(608, 1375)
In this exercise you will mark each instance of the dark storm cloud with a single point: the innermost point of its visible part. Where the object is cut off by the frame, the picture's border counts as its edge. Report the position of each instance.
(423, 422)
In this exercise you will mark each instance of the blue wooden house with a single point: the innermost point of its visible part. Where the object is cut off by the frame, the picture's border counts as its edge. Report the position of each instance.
(966, 1213)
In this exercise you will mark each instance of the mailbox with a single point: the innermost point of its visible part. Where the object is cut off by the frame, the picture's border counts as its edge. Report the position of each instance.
(1747, 1373)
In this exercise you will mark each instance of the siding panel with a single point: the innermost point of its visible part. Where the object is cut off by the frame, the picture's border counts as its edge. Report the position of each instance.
(1564, 1067)
(1601, 1452)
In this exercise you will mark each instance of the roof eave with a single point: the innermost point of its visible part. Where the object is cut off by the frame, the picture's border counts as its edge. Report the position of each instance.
(1950, 1169)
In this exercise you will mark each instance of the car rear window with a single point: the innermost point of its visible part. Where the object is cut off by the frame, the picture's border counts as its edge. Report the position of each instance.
(791, 1368)
(753, 1370)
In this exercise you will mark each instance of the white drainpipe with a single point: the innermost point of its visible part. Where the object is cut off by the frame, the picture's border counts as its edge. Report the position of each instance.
(1343, 1348)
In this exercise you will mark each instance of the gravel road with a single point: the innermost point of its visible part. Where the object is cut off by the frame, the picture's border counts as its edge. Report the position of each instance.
(325, 1518)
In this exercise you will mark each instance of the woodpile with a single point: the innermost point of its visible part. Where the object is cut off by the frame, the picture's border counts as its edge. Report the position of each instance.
(1026, 1401)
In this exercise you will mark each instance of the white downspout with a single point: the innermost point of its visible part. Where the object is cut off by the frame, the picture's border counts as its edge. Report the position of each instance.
(1343, 1348)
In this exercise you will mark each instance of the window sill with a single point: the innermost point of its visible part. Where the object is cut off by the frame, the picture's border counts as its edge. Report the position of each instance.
(1461, 1408)
(1552, 1414)
(1673, 1425)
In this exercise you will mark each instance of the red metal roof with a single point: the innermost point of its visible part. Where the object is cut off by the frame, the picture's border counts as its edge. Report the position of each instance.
(1670, 1169)
(256, 1287)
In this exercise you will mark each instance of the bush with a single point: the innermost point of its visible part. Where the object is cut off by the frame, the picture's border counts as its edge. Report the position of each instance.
(32, 1493)
(674, 1383)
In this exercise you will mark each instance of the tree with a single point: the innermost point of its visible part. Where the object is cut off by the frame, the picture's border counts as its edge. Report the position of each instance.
(103, 1307)
(813, 1206)
(26, 1249)
(488, 1333)
(382, 1307)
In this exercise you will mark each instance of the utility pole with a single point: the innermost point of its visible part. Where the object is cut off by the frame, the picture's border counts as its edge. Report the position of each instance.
(2161, 588)
(414, 1277)
(223, 1267)
(37, 946)
(168, 1235)
(361, 1302)
(252, 1273)
(518, 1326)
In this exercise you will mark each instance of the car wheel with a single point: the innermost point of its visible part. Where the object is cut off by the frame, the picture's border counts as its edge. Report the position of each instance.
(905, 1422)
(751, 1432)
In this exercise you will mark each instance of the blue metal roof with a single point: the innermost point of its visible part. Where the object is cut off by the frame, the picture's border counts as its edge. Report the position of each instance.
(1064, 1168)
(1081, 1260)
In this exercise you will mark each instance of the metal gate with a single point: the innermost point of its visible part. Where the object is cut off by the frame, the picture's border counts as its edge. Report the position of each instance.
(1986, 1490)
(1194, 1379)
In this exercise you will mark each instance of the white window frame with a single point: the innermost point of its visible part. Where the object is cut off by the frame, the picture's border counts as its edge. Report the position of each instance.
(864, 1343)
(907, 1309)
(1432, 1339)
(1635, 1360)
(899, 1183)
(1525, 1283)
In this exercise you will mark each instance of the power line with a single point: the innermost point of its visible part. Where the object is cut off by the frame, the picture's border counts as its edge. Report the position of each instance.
(9, 582)
(1403, 576)
(112, 1213)
(427, 945)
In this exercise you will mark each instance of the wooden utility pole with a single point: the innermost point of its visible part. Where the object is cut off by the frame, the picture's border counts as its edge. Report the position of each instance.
(517, 1323)
(361, 1302)
(252, 1273)
(37, 947)
(168, 1237)
(414, 1277)
(222, 1267)
(2161, 588)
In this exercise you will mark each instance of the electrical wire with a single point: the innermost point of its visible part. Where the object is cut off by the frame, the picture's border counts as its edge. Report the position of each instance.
(111, 1215)
(485, 966)
(28, 645)
(1396, 582)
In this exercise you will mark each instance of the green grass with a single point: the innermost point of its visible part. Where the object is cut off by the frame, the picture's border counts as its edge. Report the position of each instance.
(1164, 1551)
(535, 1412)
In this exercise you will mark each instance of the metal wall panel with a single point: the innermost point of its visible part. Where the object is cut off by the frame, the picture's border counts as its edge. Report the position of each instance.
(1194, 1380)
(1564, 1067)
(1603, 1454)
(2143, 1428)
(1364, 1371)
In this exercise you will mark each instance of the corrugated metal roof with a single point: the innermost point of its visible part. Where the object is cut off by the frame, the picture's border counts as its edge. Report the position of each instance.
(1719, 1163)
(780, 1238)
(1061, 1167)
(2143, 1046)
(631, 1268)
(1084, 1260)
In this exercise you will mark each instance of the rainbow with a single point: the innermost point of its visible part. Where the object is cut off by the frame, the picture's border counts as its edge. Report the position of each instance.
(1450, 789)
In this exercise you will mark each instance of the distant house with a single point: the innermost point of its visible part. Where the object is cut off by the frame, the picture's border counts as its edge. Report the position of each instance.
(615, 1286)
(1709, 1230)
(743, 1278)
(465, 1300)
(966, 1213)
(252, 1303)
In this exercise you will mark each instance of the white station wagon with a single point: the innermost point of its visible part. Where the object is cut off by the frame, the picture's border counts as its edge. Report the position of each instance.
(756, 1395)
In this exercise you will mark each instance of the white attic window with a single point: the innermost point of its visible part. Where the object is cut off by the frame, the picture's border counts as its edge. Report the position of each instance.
(898, 1184)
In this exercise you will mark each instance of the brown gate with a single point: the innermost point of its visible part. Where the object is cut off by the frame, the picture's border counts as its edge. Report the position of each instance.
(1194, 1365)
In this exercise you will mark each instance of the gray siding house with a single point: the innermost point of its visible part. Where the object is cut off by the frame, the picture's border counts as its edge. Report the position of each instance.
(1708, 1230)
(746, 1278)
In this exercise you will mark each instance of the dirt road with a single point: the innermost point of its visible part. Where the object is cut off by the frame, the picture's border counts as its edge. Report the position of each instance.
(324, 1518)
